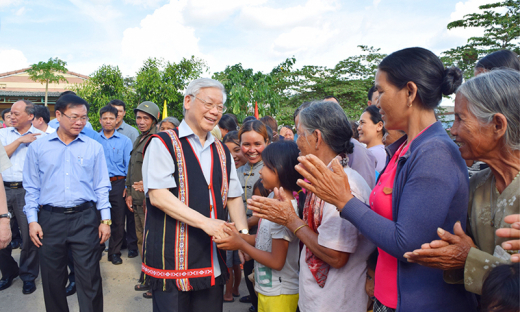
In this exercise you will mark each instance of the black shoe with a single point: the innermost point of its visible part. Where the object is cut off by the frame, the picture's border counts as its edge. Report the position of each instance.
(15, 244)
(6, 282)
(142, 287)
(132, 253)
(252, 308)
(70, 289)
(28, 287)
(115, 259)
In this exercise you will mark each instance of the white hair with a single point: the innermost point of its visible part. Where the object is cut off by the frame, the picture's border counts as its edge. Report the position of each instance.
(197, 84)
(497, 91)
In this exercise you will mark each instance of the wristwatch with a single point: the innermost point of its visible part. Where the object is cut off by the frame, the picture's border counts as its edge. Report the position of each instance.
(244, 231)
(107, 222)
(6, 215)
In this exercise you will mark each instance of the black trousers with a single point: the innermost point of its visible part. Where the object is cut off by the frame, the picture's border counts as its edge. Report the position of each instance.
(117, 229)
(8, 265)
(207, 300)
(130, 236)
(29, 263)
(78, 232)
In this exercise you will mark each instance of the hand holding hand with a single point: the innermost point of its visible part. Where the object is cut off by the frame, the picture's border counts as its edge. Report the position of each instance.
(232, 242)
(214, 228)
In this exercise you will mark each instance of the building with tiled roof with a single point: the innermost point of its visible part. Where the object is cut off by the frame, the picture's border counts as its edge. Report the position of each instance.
(16, 85)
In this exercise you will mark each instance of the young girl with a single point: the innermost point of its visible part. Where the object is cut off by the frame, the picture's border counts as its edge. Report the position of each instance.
(276, 249)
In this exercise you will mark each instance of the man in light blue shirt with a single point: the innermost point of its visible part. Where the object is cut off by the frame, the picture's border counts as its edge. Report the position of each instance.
(117, 148)
(67, 183)
(16, 140)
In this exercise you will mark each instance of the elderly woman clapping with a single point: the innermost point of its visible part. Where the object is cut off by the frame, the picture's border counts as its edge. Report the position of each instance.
(333, 261)
(487, 127)
(424, 185)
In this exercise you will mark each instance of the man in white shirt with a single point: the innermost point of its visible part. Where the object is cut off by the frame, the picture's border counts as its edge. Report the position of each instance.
(192, 185)
(16, 139)
(42, 116)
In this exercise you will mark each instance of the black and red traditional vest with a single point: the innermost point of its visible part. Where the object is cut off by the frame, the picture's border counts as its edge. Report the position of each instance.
(176, 254)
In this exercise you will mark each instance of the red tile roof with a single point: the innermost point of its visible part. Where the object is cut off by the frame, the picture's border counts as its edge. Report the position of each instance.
(14, 72)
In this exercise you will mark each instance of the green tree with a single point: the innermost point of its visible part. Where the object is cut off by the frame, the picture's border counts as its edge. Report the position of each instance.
(106, 84)
(501, 23)
(47, 72)
(160, 81)
(348, 81)
(245, 87)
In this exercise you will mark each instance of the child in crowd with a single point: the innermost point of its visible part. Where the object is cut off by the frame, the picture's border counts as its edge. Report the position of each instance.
(500, 291)
(276, 249)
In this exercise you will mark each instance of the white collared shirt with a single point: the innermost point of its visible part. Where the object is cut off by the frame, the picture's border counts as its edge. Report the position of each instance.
(8, 136)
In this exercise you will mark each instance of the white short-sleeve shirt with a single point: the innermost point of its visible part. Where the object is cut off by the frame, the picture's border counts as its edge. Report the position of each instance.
(344, 288)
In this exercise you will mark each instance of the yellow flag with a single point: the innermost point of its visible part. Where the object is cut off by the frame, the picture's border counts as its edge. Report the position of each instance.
(164, 111)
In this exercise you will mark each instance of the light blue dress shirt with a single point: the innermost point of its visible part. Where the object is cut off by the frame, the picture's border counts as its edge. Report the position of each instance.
(158, 170)
(117, 153)
(8, 136)
(64, 175)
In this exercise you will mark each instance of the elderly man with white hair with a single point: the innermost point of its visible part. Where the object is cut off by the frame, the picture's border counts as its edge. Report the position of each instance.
(191, 185)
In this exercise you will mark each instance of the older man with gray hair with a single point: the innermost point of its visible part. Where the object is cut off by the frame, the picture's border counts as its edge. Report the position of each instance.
(191, 183)
(16, 140)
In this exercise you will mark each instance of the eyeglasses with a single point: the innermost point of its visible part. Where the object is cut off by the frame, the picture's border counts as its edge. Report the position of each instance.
(74, 119)
(220, 108)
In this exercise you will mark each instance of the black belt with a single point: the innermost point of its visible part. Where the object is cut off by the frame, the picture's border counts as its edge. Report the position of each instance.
(78, 208)
(14, 185)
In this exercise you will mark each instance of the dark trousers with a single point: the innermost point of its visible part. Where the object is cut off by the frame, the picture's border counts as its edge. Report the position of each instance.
(117, 229)
(78, 232)
(207, 300)
(15, 230)
(29, 264)
(130, 236)
(8, 265)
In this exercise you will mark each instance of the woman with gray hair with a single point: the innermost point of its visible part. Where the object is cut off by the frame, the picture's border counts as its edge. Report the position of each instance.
(333, 262)
(487, 128)
(424, 185)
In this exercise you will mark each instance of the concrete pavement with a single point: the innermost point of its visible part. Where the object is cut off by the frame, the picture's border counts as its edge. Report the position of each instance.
(118, 291)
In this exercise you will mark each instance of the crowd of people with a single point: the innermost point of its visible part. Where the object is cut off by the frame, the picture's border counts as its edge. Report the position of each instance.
(376, 214)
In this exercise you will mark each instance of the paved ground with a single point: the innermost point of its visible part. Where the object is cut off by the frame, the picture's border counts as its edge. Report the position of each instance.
(118, 283)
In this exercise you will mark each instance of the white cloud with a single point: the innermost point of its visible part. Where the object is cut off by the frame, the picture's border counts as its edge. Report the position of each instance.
(20, 11)
(162, 34)
(376, 3)
(210, 12)
(16, 60)
(144, 3)
(6, 3)
(99, 10)
(276, 18)
(301, 39)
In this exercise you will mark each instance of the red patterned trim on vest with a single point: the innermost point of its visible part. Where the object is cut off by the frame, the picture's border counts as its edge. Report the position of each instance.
(223, 165)
(181, 241)
(176, 274)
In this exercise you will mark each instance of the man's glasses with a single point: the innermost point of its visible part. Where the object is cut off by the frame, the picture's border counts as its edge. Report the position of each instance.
(74, 119)
(221, 108)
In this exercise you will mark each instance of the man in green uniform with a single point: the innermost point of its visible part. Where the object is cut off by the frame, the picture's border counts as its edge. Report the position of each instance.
(147, 115)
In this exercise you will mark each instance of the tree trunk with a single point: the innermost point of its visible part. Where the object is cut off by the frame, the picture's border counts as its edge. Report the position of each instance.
(46, 89)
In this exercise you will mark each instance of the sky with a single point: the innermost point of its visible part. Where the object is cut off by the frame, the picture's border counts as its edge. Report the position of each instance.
(257, 33)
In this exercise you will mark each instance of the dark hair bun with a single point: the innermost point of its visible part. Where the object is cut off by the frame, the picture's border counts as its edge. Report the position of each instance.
(452, 80)
(349, 147)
